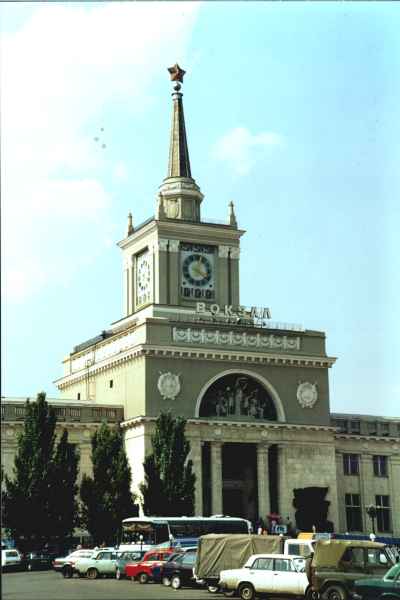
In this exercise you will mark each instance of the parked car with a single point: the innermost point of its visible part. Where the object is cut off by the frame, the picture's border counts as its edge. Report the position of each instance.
(102, 563)
(38, 560)
(158, 568)
(272, 574)
(180, 571)
(388, 587)
(126, 557)
(337, 564)
(10, 559)
(142, 571)
(59, 563)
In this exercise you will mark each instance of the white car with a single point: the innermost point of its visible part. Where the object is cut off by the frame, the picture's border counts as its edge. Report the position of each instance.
(59, 563)
(272, 574)
(10, 558)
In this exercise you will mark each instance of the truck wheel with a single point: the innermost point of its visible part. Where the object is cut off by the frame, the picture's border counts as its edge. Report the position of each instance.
(176, 582)
(143, 578)
(166, 581)
(213, 589)
(246, 591)
(92, 573)
(311, 595)
(334, 592)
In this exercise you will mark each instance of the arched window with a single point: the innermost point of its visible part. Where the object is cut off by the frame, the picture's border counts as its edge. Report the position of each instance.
(238, 396)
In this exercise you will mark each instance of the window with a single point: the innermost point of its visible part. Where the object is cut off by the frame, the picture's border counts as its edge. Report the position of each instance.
(355, 427)
(380, 466)
(353, 512)
(111, 383)
(189, 558)
(384, 427)
(282, 564)
(78, 396)
(341, 424)
(350, 464)
(382, 513)
(372, 428)
(263, 563)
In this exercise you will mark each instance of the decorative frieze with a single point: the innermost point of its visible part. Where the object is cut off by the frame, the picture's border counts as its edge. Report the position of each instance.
(225, 251)
(171, 245)
(232, 338)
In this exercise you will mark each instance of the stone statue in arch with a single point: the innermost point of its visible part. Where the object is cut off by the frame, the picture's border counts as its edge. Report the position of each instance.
(236, 396)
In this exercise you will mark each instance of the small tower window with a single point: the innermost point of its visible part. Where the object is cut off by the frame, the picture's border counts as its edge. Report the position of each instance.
(111, 384)
(78, 395)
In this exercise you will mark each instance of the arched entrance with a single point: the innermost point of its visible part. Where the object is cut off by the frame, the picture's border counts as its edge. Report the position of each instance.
(240, 473)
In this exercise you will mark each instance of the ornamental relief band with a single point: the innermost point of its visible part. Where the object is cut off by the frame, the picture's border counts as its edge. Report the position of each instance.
(204, 336)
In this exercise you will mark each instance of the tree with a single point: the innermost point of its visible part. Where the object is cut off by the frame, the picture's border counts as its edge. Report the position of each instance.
(65, 473)
(106, 497)
(168, 489)
(34, 498)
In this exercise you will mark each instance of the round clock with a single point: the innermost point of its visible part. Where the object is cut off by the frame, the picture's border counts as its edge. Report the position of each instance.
(143, 279)
(197, 270)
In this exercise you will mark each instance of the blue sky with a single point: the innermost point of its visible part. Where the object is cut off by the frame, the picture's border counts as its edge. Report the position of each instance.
(291, 112)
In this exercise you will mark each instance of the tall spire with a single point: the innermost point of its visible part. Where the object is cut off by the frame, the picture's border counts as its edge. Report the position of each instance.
(181, 196)
(179, 163)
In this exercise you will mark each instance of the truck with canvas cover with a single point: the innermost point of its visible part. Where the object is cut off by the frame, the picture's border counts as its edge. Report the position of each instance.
(337, 564)
(219, 552)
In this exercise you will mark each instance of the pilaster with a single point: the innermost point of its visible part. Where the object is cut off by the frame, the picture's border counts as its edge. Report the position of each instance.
(394, 483)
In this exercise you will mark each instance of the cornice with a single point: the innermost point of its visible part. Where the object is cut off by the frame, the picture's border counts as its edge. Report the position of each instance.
(141, 420)
(189, 353)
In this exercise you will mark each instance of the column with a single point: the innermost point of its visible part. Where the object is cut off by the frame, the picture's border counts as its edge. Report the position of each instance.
(264, 505)
(216, 478)
(196, 456)
(285, 492)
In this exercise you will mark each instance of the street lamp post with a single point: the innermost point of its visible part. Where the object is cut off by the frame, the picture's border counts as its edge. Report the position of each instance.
(372, 512)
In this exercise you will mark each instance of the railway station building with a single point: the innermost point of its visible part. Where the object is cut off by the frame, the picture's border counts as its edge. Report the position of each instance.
(255, 393)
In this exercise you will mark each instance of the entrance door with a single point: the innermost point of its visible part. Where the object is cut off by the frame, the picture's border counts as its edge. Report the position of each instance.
(239, 480)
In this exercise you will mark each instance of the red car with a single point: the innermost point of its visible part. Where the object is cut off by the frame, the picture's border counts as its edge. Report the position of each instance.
(143, 571)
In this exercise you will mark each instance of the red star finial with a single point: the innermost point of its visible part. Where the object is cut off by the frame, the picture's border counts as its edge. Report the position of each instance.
(176, 73)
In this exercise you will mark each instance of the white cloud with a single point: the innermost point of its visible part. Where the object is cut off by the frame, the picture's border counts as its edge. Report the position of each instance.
(60, 72)
(241, 149)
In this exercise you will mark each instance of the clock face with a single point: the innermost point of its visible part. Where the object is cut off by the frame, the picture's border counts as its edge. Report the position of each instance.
(143, 279)
(197, 271)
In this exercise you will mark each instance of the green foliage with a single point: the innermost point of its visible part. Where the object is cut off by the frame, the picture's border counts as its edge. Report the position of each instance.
(168, 489)
(35, 498)
(65, 466)
(106, 497)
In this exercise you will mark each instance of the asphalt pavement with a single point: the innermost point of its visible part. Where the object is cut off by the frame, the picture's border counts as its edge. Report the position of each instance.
(49, 585)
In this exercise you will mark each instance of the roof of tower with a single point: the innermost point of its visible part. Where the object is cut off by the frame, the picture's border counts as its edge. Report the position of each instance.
(179, 163)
